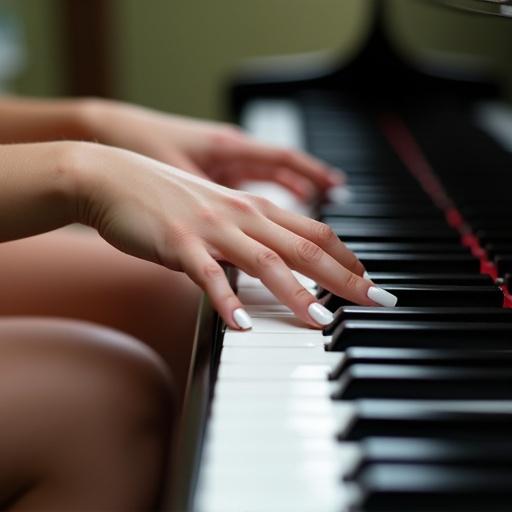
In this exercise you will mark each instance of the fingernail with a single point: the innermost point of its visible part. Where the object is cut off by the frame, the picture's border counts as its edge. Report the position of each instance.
(382, 297)
(367, 276)
(320, 314)
(339, 195)
(242, 318)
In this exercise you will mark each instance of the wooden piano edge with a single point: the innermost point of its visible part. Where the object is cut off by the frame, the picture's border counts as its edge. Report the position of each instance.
(183, 467)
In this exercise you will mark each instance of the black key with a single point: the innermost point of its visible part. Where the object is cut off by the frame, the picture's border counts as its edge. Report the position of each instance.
(391, 278)
(381, 333)
(465, 358)
(424, 383)
(503, 263)
(428, 488)
(494, 249)
(435, 296)
(437, 314)
(381, 211)
(395, 234)
(382, 450)
(432, 279)
(402, 247)
(419, 262)
(440, 419)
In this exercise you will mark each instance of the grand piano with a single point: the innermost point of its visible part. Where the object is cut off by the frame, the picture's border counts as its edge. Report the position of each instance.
(388, 409)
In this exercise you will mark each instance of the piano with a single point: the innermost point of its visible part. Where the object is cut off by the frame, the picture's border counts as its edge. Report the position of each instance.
(387, 409)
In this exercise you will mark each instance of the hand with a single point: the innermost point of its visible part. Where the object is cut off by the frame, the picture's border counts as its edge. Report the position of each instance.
(218, 151)
(159, 213)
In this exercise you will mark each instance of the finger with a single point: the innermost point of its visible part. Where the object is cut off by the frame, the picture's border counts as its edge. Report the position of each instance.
(258, 260)
(233, 174)
(317, 232)
(296, 184)
(309, 167)
(311, 260)
(208, 274)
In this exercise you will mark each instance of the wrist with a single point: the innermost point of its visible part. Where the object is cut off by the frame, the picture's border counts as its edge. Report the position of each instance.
(92, 116)
(74, 164)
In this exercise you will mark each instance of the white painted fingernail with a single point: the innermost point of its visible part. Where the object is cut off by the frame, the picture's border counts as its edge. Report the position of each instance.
(382, 297)
(242, 318)
(320, 314)
(367, 276)
(339, 195)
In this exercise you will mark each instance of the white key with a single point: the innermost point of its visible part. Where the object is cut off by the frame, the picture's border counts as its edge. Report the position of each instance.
(288, 339)
(279, 355)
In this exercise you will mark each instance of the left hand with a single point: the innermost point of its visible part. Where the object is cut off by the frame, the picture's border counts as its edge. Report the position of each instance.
(218, 151)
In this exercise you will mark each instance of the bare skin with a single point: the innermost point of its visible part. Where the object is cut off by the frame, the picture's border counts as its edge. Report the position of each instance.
(150, 209)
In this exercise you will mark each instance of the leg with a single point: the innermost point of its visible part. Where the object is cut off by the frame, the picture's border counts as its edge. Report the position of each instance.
(73, 273)
(85, 416)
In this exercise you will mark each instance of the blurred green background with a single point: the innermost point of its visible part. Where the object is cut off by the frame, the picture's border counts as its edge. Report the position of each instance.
(176, 55)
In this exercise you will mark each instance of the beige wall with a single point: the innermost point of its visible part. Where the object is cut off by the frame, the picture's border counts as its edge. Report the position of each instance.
(176, 54)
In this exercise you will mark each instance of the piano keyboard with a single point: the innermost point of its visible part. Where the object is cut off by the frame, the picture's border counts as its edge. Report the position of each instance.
(406, 408)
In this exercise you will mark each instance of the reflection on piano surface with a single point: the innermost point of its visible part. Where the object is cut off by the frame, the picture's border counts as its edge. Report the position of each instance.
(406, 408)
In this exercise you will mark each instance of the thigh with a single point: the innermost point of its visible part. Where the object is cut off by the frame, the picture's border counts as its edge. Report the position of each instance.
(75, 399)
(74, 273)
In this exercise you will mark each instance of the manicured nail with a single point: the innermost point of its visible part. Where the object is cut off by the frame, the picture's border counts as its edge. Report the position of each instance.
(242, 318)
(367, 276)
(382, 297)
(320, 314)
(339, 195)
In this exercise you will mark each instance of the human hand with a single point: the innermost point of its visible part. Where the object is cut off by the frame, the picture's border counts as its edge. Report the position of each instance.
(159, 213)
(219, 151)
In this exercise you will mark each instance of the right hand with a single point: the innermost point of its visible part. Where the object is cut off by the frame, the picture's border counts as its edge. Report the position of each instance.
(159, 213)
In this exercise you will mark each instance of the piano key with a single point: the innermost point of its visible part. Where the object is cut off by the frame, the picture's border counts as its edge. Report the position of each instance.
(426, 488)
(394, 234)
(419, 262)
(421, 334)
(276, 356)
(381, 450)
(430, 279)
(433, 295)
(402, 247)
(439, 314)
(464, 420)
(423, 382)
(503, 263)
(270, 339)
(419, 357)
(360, 210)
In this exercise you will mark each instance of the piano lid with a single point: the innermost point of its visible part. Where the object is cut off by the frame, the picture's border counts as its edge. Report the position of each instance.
(379, 71)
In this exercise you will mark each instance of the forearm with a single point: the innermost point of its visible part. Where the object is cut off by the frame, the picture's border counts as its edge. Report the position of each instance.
(39, 120)
(37, 189)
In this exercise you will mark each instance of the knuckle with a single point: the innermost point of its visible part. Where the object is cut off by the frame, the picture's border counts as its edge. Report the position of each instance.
(301, 294)
(323, 233)
(211, 271)
(241, 205)
(307, 251)
(351, 281)
(209, 216)
(267, 258)
(261, 203)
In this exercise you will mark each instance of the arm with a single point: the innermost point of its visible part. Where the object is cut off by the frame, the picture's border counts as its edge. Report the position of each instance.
(34, 120)
(218, 151)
